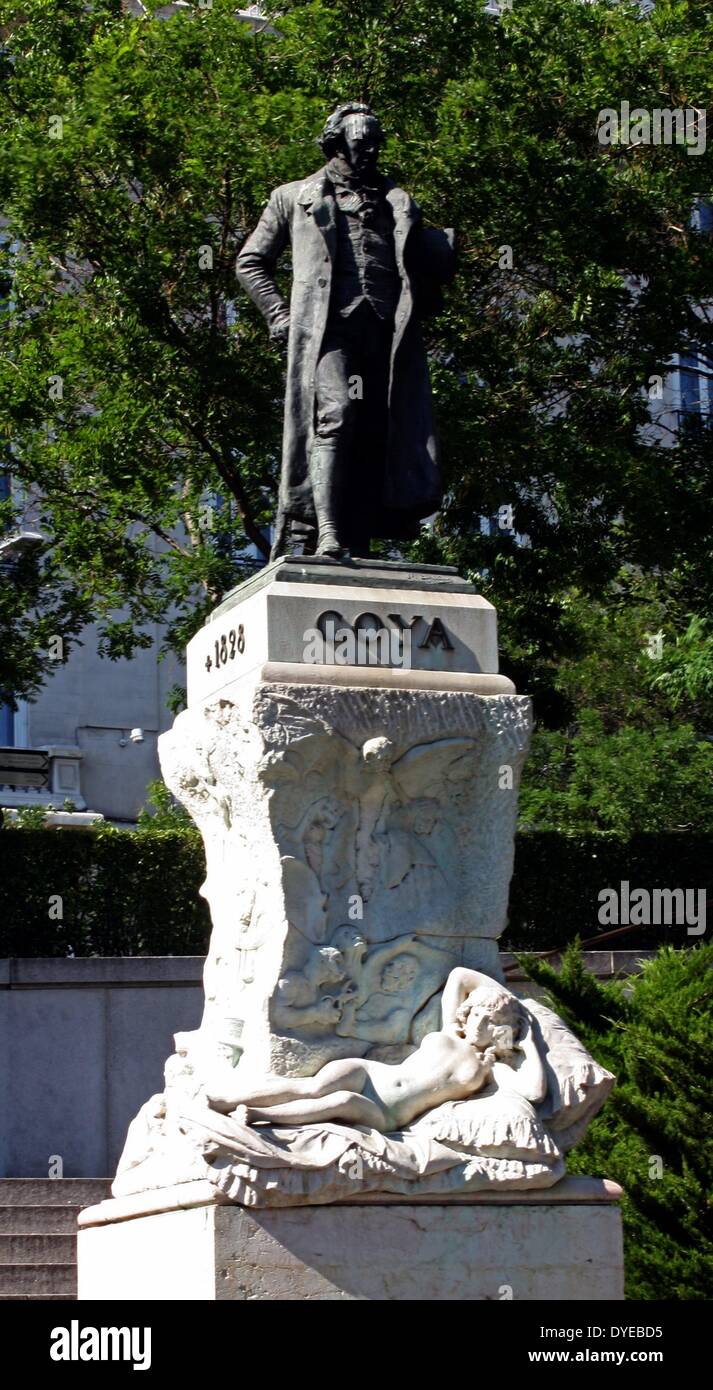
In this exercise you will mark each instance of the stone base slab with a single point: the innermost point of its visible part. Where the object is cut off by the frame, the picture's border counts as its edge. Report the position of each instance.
(532, 1246)
(451, 630)
(379, 678)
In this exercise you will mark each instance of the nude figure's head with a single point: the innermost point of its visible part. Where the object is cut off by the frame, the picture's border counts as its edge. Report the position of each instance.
(330, 965)
(399, 974)
(350, 941)
(489, 1018)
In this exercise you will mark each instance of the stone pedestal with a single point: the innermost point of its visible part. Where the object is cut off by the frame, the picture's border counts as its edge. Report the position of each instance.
(556, 1246)
(422, 627)
(351, 756)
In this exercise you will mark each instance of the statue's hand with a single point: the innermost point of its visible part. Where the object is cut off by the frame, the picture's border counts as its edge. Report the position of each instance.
(280, 328)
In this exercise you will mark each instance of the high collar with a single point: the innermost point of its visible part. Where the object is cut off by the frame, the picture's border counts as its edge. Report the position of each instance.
(341, 175)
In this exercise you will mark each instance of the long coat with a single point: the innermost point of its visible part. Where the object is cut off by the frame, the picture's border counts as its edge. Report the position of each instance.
(304, 213)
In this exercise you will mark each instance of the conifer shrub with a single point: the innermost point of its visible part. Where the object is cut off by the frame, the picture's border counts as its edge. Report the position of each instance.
(654, 1135)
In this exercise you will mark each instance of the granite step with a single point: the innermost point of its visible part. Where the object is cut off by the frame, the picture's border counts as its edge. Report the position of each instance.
(38, 1281)
(37, 1249)
(38, 1235)
(53, 1192)
(39, 1220)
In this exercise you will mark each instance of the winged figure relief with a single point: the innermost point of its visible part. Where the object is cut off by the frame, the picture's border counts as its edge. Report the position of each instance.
(377, 824)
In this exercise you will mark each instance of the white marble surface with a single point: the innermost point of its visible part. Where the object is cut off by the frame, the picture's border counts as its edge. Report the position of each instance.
(461, 1252)
(569, 1191)
(501, 1132)
(338, 816)
(270, 625)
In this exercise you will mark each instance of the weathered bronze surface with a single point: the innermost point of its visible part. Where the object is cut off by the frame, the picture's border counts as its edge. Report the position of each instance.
(359, 444)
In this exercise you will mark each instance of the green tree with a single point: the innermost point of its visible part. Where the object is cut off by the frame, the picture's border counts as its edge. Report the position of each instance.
(137, 382)
(654, 1135)
(162, 812)
(628, 782)
(686, 678)
(632, 699)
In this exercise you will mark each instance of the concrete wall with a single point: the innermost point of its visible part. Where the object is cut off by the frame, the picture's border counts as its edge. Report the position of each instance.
(91, 704)
(83, 1045)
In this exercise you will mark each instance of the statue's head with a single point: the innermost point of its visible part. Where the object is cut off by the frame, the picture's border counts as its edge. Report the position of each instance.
(489, 1017)
(353, 132)
(351, 943)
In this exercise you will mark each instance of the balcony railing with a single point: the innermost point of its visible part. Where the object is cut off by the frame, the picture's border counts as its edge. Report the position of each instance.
(47, 776)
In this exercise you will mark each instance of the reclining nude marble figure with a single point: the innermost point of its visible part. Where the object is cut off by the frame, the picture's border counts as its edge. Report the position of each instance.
(483, 1028)
(491, 1100)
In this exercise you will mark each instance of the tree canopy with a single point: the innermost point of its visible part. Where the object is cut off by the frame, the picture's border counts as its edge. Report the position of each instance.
(141, 399)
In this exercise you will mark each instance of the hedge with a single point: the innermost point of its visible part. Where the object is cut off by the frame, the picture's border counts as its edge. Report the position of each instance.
(554, 894)
(124, 893)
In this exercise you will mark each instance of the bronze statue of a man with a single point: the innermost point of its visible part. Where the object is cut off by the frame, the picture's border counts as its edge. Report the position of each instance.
(359, 445)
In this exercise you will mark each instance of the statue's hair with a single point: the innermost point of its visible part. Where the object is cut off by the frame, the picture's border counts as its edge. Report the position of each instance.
(335, 124)
(504, 1013)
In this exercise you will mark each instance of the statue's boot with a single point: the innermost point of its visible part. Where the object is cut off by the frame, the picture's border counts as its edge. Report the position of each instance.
(324, 467)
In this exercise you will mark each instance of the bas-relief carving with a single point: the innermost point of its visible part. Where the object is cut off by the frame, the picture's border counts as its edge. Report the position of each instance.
(314, 824)
(357, 991)
(485, 1037)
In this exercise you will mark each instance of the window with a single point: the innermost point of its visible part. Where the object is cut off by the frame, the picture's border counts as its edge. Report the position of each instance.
(7, 727)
